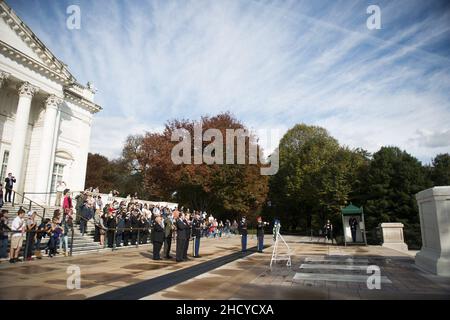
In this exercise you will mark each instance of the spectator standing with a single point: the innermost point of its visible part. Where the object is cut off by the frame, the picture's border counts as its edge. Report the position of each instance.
(31, 227)
(234, 227)
(55, 234)
(103, 228)
(79, 204)
(18, 228)
(86, 215)
(1, 195)
(67, 203)
(43, 229)
(67, 227)
(4, 230)
(60, 187)
(111, 225)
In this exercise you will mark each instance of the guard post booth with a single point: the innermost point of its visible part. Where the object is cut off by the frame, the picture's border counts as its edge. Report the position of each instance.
(352, 211)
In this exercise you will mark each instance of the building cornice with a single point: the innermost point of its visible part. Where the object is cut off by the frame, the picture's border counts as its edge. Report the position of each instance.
(33, 42)
(27, 61)
(81, 101)
(52, 68)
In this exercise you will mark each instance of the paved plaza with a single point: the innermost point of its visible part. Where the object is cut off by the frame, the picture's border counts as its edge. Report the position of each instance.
(318, 271)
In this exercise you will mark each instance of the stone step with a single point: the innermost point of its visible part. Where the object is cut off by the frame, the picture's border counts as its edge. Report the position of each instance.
(81, 243)
(86, 247)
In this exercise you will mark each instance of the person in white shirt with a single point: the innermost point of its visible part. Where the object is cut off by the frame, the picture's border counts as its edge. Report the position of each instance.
(156, 211)
(60, 187)
(18, 228)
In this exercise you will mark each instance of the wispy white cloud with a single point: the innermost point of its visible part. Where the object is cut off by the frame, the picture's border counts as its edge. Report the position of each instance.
(272, 63)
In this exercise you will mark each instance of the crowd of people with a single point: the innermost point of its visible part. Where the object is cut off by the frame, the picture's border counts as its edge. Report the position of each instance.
(26, 228)
(117, 224)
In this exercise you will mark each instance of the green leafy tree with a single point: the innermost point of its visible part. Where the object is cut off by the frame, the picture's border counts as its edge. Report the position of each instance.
(114, 174)
(315, 178)
(391, 182)
(440, 170)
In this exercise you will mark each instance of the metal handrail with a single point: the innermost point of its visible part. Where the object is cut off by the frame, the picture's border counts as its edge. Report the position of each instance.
(49, 192)
(31, 203)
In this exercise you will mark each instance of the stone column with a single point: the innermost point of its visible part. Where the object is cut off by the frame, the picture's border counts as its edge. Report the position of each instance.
(434, 211)
(393, 236)
(16, 153)
(3, 77)
(47, 147)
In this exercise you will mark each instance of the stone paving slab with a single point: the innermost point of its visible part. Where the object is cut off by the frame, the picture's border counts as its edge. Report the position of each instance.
(317, 266)
(331, 259)
(246, 278)
(100, 272)
(336, 277)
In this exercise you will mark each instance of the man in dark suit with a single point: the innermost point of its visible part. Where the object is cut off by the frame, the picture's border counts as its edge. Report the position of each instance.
(187, 221)
(168, 229)
(181, 236)
(134, 220)
(243, 232)
(111, 224)
(157, 237)
(9, 184)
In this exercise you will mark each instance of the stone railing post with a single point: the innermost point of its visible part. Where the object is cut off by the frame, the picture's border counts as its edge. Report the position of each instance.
(434, 210)
(393, 236)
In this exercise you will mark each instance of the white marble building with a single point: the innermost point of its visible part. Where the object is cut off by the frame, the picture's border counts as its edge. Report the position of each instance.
(45, 114)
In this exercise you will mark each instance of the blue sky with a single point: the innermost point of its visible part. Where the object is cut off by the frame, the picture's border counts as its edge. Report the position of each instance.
(271, 63)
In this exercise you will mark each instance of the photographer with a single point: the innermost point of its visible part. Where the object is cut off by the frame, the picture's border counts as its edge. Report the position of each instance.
(9, 184)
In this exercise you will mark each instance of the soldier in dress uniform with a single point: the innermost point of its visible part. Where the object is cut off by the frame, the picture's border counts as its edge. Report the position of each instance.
(181, 235)
(260, 233)
(353, 226)
(169, 226)
(197, 233)
(328, 231)
(188, 231)
(243, 232)
(157, 237)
